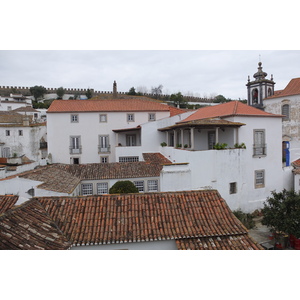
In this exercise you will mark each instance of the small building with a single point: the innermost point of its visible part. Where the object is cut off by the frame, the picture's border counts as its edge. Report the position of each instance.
(191, 220)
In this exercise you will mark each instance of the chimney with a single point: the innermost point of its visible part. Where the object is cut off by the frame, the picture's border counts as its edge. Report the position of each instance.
(26, 121)
(115, 93)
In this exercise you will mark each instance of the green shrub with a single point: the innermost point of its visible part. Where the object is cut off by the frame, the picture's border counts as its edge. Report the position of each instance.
(123, 187)
(246, 219)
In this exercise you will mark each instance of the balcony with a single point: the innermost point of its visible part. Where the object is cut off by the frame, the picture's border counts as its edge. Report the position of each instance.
(102, 149)
(75, 150)
(259, 150)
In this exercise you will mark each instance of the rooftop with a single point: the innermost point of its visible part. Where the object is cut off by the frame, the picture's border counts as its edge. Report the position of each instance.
(232, 108)
(114, 105)
(293, 88)
(7, 202)
(29, 227)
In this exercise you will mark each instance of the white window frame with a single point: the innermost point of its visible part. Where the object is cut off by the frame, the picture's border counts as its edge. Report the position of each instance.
(75, 144)
(7, 132)
(103, 118)
(104, 146)
(102, 188)
(74, 118)
(151, 117)
(86, 189)
(130, 117)
(152, 185)
(104, 159)
(140, 185)
(128, 159)
(259, 179)
(259, 143)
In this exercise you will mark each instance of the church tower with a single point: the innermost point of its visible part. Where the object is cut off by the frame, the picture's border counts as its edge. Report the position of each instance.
(259, 88)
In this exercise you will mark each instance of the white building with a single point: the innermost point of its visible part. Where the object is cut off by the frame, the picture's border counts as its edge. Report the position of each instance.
(89, 131)
(287, 103)
(14, 102)
(19, 136)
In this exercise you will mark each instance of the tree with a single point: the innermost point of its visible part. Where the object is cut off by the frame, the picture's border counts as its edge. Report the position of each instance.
(123, 187)
(178, 99)
(89, 94)
(281, 212)
(38, 91)
(60, 92)
(219, 99)
(132, 91)
(157, 91)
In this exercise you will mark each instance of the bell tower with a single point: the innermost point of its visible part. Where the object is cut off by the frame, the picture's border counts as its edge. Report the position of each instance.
(259, 88)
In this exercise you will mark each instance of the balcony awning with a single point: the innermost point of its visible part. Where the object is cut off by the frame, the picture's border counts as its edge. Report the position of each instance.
(203, 124)
(127, 129)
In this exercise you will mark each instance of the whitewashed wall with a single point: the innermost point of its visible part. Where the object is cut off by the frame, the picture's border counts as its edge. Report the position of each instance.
(60, 128)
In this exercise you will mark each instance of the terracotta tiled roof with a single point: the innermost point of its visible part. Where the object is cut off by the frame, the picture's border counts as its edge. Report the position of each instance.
(130, 105)
(25, 109)
(296, 163)
(7, 202)
(156, 158)
(29, 227)
(176, 111)
(112, 170)
(293, 88)
(230, 242)
(232, 108)
(109, 219)
(53, 178)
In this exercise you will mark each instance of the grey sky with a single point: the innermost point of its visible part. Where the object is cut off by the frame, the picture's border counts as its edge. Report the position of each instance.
(198, 72)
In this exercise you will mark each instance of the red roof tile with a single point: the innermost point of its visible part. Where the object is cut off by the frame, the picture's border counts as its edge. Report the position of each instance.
(293, 88)
(130, 105)
(176, 111)
(29, 227)
(156, 158)
(125, 218)
(230, 242)
(232, 108)
(7, 202)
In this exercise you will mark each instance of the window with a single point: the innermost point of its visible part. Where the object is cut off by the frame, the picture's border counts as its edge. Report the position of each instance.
(139, 185)
(20, 132)
(130, 117)
(75, 146)
(75, 160)
(255, 96)
(128, 158)
(8, 107)
(103, 118)
(152, 185)
(103, 144)
(152, 117)
(130, 140)
(104, 159)
(285, 110)
(211, 139)
(74, 118)
(259, 179)
(6, 152)
(87, 189)
(102, 188)
(259, 147)
(232, 188)
(7, 132)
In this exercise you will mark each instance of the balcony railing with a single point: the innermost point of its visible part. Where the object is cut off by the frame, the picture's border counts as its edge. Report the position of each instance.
(75, 150)
(102, 149)
(259, 150)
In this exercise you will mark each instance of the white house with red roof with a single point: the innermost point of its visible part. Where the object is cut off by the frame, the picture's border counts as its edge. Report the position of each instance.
(287, 103)
(89, 131)
(232, 147)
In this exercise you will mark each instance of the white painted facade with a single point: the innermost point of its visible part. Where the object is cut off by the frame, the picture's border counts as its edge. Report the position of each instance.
(89, 129)
(6, 105)
(291, 124)
(22, 140)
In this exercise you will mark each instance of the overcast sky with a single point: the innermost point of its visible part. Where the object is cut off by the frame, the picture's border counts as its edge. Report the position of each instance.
(200, 73)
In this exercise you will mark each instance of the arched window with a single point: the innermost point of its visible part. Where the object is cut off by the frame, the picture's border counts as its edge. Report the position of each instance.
(269, 92)
(255, 96)
(285, 110)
